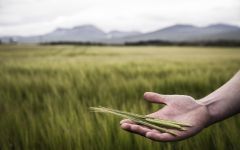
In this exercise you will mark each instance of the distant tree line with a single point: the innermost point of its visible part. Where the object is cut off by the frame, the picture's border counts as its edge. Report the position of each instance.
(8, 41)
(153, 43)
(199, 43)
(73, 43)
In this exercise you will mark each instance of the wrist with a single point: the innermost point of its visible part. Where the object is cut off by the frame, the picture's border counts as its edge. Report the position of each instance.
(207, 104)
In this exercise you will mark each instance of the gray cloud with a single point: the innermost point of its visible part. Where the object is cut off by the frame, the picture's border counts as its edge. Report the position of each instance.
(29, 17)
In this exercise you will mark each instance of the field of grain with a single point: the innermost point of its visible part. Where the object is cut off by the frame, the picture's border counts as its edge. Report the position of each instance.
(46, 92)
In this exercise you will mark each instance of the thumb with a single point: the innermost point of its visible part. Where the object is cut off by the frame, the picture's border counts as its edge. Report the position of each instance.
(156, 98)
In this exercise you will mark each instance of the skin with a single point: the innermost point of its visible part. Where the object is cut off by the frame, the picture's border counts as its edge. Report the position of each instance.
(217, 106)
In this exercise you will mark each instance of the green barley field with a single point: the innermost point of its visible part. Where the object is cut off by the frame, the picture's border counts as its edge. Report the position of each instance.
(46, 92)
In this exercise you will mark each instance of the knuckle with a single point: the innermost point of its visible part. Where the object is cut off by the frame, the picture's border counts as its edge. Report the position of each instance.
(155, 96)
(135, 128)
(188, 97)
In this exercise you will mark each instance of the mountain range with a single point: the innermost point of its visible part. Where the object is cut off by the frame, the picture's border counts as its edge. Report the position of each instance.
(175, 33)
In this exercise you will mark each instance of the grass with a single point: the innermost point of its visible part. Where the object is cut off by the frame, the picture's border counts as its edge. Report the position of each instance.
(45, 93)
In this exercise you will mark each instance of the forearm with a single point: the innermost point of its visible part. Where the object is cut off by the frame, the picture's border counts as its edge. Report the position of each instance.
(225, 101)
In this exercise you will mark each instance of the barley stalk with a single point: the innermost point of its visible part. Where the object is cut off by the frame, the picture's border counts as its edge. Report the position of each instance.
(165, 124)
(177, 124)
(136, 120)
(173, 122)
(155, 123)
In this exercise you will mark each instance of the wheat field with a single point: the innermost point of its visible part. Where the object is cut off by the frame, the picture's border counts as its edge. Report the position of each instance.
(46, 92)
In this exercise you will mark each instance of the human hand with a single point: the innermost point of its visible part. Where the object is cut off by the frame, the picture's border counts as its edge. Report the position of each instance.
(179, 108)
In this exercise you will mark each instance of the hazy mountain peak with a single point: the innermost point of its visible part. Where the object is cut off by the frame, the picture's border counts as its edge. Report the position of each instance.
(222, 26)
(178, 32)
(60, 29)
(177, 27)
(182, 26)
(86, 27)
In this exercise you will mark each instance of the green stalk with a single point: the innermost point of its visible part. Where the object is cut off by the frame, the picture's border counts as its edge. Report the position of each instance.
(165, 124)
(147, 117)
(124, 112)
(162, 123)
(139, 121)
(173, 122)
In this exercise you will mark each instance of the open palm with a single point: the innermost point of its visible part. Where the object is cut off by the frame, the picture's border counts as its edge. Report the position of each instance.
(180, 108)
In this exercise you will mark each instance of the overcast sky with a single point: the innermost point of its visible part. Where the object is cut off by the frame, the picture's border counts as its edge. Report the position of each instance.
(32, 17)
